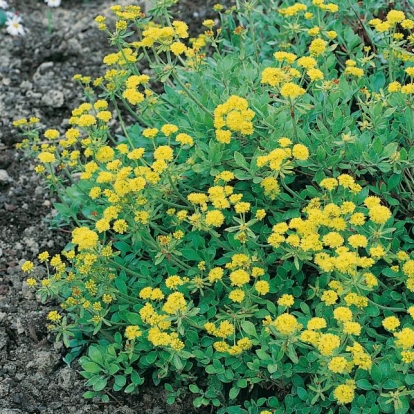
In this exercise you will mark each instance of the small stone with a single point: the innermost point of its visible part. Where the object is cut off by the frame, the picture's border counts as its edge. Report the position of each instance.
(53, 98)
(5, 177)
(27, 292)
(10, 207)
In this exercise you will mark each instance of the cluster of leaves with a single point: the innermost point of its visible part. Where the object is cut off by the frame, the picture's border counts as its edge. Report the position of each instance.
(250, 233)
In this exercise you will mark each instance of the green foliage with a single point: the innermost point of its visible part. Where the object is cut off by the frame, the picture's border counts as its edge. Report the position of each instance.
(248, 237)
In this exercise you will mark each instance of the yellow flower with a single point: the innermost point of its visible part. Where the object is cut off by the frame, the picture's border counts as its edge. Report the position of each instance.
(262, 287)
(307, 62)
(316, 324)
(405, 338)
(31, 282)
(225, 329)
(221, 346)
(343, 314)
(169, 129)
(329, 297)
(184, 139)
(315, 74)
(344, 393)
(281, 56)
(85, 238)
(357, 240)
(357, 219)
(329, 183)
(237, 295)
(164, 153)
(291, 90)
(286, 324)
(105, 154)
(273, 76)
(328, 343)
(104, 116)
(314, 31)
(214, 218)
(300, 152)
(391, 323)
(286, 300)
(395, 16)
(407, 24)
(52, 134)
(407, 356)
(379, 214)
(331, 34)
(46, 157)
(352, 328)
(239, 277)
(317, 47)
(271, 187)
(215, 274)
(27, 266)
(357, 72)
(53, 316)
(242, 207)
(175, 303)
(150, 132)
(337, 365)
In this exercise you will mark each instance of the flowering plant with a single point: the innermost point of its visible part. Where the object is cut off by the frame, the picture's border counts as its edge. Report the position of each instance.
(249, 232)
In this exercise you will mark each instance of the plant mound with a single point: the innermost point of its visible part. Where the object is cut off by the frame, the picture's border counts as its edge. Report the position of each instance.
(248, 236)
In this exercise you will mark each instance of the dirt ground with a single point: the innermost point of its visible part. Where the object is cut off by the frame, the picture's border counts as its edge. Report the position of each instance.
(36, 80)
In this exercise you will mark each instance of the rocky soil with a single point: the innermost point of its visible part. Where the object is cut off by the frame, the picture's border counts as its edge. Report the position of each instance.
(36, 80)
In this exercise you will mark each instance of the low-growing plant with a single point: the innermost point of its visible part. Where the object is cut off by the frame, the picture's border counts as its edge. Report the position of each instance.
(248, 236)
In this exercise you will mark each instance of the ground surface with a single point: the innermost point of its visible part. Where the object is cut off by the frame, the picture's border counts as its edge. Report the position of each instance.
(36, 80)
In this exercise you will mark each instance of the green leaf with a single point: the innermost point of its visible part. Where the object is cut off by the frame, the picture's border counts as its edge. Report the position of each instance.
(130, 388)
(194, 389)
(120, 380)
(136, 379)
(100, 384)
(92, 367)
(133, 318)
(242, 383)
(364, 384)
(177, 362)
(263, 355)
(409, 379)
(198, 402)
(234, 392)
(95, 354)
(121, 285)
(389, 384)
(240, 160)
(113, 369)
(302, 393)
(249, 328)
(210, 369)
(376, 374)
(190, 254)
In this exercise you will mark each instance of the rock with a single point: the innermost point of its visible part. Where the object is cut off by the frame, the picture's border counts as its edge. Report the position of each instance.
(4, 177)
(53, 98)
(43, 361)
(65, 378)
(42, 70)
(27, 292)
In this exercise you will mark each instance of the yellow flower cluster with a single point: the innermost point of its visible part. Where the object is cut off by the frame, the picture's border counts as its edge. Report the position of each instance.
(235, 115)
(393, 17)
(163, 35)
